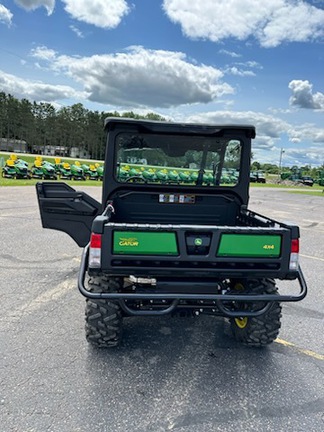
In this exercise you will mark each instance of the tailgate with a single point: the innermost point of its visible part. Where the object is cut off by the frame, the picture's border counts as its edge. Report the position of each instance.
(213, 251)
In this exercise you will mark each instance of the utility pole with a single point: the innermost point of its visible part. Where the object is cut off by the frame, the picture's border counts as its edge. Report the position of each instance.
(280, 162)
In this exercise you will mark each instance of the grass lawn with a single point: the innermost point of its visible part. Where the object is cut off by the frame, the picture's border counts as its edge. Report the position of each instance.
(32, 182)
(308, 189)
(307, 192)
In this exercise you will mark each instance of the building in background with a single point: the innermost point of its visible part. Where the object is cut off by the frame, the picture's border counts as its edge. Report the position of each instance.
(13, 145)
(81, 153)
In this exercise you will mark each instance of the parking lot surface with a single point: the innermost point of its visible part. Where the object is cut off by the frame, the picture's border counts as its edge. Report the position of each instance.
(169, 374)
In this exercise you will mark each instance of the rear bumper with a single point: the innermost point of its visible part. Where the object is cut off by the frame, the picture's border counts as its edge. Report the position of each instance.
(175, 297)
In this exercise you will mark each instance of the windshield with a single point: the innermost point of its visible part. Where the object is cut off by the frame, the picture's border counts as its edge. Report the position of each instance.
(177, 159)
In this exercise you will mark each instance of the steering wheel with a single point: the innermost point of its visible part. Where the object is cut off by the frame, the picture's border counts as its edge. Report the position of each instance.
(132, 178)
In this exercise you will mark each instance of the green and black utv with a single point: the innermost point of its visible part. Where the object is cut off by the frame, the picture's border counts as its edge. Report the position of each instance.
(155, 246)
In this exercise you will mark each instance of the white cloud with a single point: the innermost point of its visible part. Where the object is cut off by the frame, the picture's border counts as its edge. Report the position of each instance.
(313, 156)
(5, 15)
(268, 128)
(242, 69)
(293, 22)
(271, 23)
(271, 133)
(252, 64)
(77, 31)
(317, 136)
(266, 125)
(238, 72)
(35, 90)
(309, 132)
(142, 78)
(34, 4)
(43, 53)
(101, 13)
(303, 96)
(230, 53)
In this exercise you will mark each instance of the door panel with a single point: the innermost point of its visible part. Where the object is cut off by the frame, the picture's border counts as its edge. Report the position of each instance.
(63, 208)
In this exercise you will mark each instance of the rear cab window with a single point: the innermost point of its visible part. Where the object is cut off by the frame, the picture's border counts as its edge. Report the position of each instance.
(177, 159)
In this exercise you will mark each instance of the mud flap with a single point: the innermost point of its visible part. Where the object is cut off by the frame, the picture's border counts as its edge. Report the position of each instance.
(65, 209)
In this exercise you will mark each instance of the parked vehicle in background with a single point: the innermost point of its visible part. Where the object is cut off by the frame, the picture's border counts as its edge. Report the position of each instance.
(253, 177)
(257, 177)
(297, 177)
(306, 180)
(260, 176)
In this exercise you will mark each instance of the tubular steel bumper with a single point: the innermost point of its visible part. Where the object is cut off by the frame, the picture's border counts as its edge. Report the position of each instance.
(176, 297)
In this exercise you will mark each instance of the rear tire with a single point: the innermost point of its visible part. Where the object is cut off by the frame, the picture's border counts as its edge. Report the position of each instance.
(103, 317)
(261, 330)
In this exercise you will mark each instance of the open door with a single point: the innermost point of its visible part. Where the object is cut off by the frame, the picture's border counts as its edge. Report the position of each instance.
(65, 209)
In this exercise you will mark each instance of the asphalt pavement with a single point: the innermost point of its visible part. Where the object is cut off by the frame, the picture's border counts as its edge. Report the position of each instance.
(169, 374)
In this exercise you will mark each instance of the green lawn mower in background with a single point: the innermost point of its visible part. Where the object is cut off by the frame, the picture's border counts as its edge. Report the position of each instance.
(43, 169)
(100, 170)
(123, 172)
(15, 168)
(147, 174)
(90, 172)
(62, 169)
(162, 175)
(173, 176)
(184, 176)
(36, 170)
(77, 171)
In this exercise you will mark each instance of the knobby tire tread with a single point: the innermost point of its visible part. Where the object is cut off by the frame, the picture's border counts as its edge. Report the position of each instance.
(103, 317)
(264, 329)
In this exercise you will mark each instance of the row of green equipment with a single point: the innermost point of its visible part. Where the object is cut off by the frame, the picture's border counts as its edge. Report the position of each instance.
(42, 169)
(128, 172)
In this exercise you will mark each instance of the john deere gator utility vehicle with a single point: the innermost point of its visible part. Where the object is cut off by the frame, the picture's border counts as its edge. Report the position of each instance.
(154, 246)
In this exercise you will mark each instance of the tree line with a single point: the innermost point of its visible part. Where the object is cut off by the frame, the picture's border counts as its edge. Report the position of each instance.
(41, 124)
(306, 170)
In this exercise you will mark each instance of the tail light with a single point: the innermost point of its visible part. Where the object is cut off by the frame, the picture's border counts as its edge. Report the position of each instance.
(294, 254)
(95, 251)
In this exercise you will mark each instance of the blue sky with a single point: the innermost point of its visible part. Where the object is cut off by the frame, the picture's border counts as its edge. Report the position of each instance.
(218, 62)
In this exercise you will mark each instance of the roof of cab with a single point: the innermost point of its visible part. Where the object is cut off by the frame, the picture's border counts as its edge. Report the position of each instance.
(112, 123)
